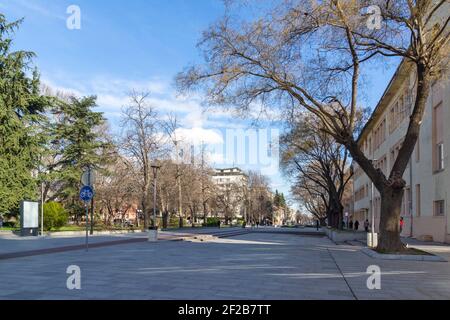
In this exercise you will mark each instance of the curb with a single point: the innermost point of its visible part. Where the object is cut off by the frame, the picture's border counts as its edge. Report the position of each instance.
(402, 257)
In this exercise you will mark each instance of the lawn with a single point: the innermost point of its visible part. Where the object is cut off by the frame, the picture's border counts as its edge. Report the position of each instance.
(8, 229)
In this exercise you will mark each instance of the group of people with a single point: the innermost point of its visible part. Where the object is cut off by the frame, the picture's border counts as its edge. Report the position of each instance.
(355, 225)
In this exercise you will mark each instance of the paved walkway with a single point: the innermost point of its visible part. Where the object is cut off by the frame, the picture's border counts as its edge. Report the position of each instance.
(252, 266)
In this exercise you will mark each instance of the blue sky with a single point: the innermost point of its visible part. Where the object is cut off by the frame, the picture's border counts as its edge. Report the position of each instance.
(122, 45)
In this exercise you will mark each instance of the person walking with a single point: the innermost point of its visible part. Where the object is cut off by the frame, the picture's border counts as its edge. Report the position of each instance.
(317, 225)
(350, 225)
(356, 225)
(366, 225)
(402, 224)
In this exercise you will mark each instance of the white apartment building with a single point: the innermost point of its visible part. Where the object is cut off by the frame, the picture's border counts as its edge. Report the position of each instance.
(426, 204)
(232, 182)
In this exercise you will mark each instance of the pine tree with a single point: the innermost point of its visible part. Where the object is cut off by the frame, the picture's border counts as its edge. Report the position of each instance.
(21, 116)
(79, 144)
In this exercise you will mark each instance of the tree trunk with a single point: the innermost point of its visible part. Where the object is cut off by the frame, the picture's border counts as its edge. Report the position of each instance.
(336, 211)
(92, 216)
(391, 205)
(145, 212)
(392, 189)
(165, 219)
(205, 213)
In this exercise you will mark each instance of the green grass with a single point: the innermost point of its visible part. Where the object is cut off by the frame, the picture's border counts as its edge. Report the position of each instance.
(83, 228)
(9, 229)
(69, 229)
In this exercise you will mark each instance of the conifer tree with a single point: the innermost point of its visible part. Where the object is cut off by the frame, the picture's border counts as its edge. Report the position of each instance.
(21, 117)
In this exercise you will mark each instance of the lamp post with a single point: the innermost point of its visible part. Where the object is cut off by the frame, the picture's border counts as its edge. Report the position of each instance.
(155, 169)
(373, 215)
(42, 208)
(372, 211)
(40, 175)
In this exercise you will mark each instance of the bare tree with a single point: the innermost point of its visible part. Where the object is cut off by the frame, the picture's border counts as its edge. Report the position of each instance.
(316, 161)
(140, 143)
(116, 190)
(311, 55)
(260, 203)
(171, 127)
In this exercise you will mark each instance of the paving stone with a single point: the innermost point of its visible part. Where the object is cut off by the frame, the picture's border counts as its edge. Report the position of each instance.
(251, 266)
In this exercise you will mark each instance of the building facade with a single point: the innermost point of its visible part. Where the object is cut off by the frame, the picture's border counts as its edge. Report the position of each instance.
(426, 201)
(232, 184)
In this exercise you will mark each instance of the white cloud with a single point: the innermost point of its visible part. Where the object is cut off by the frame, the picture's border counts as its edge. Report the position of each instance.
(112, 96)
(104, 84)
(34, 7)
(200, 135)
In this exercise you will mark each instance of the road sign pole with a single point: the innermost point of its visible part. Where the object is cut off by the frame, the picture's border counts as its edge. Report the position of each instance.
(92, 202)
(86, 195)
(87, 226)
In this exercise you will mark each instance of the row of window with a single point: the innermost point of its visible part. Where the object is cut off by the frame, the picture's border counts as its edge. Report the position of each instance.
(399, 111)
(361, 193)
(438, 205)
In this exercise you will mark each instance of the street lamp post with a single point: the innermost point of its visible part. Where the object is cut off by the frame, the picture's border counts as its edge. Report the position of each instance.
(42, 208)
(155, 176)
(372, 212)
(40, 175)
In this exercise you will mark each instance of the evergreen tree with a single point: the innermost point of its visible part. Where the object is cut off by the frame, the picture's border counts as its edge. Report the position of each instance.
(21, 117)
(79, 144)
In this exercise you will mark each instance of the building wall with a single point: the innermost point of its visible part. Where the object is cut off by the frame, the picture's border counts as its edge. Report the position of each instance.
(419, 216)
(229, 178)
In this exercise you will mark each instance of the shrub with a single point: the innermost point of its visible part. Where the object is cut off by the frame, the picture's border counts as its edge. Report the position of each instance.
(10, 224)
(212, 222)
(55, 216)
(174, 221)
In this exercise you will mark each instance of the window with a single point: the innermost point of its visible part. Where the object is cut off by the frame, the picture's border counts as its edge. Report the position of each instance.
(360, 193)
(437, 93)
(382, 164)
(406, 202)
(400, 110)
(438, 138)
(418, 200)
(379, 135)
(418, 150)
(392, 120)
(439, 208)
(394, 152)
(440, 156)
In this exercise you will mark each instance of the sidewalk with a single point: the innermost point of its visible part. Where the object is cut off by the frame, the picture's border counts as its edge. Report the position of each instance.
(254, 266)
(12, 246)
(436, 248)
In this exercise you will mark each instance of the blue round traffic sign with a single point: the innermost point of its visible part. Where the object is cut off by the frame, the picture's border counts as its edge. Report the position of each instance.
(86, 193)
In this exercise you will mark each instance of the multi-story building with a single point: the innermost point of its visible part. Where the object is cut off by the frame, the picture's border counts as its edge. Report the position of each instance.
(426, 201)
(232, 187)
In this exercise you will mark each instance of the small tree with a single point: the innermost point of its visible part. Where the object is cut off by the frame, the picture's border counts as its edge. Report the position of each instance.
(55, 216)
